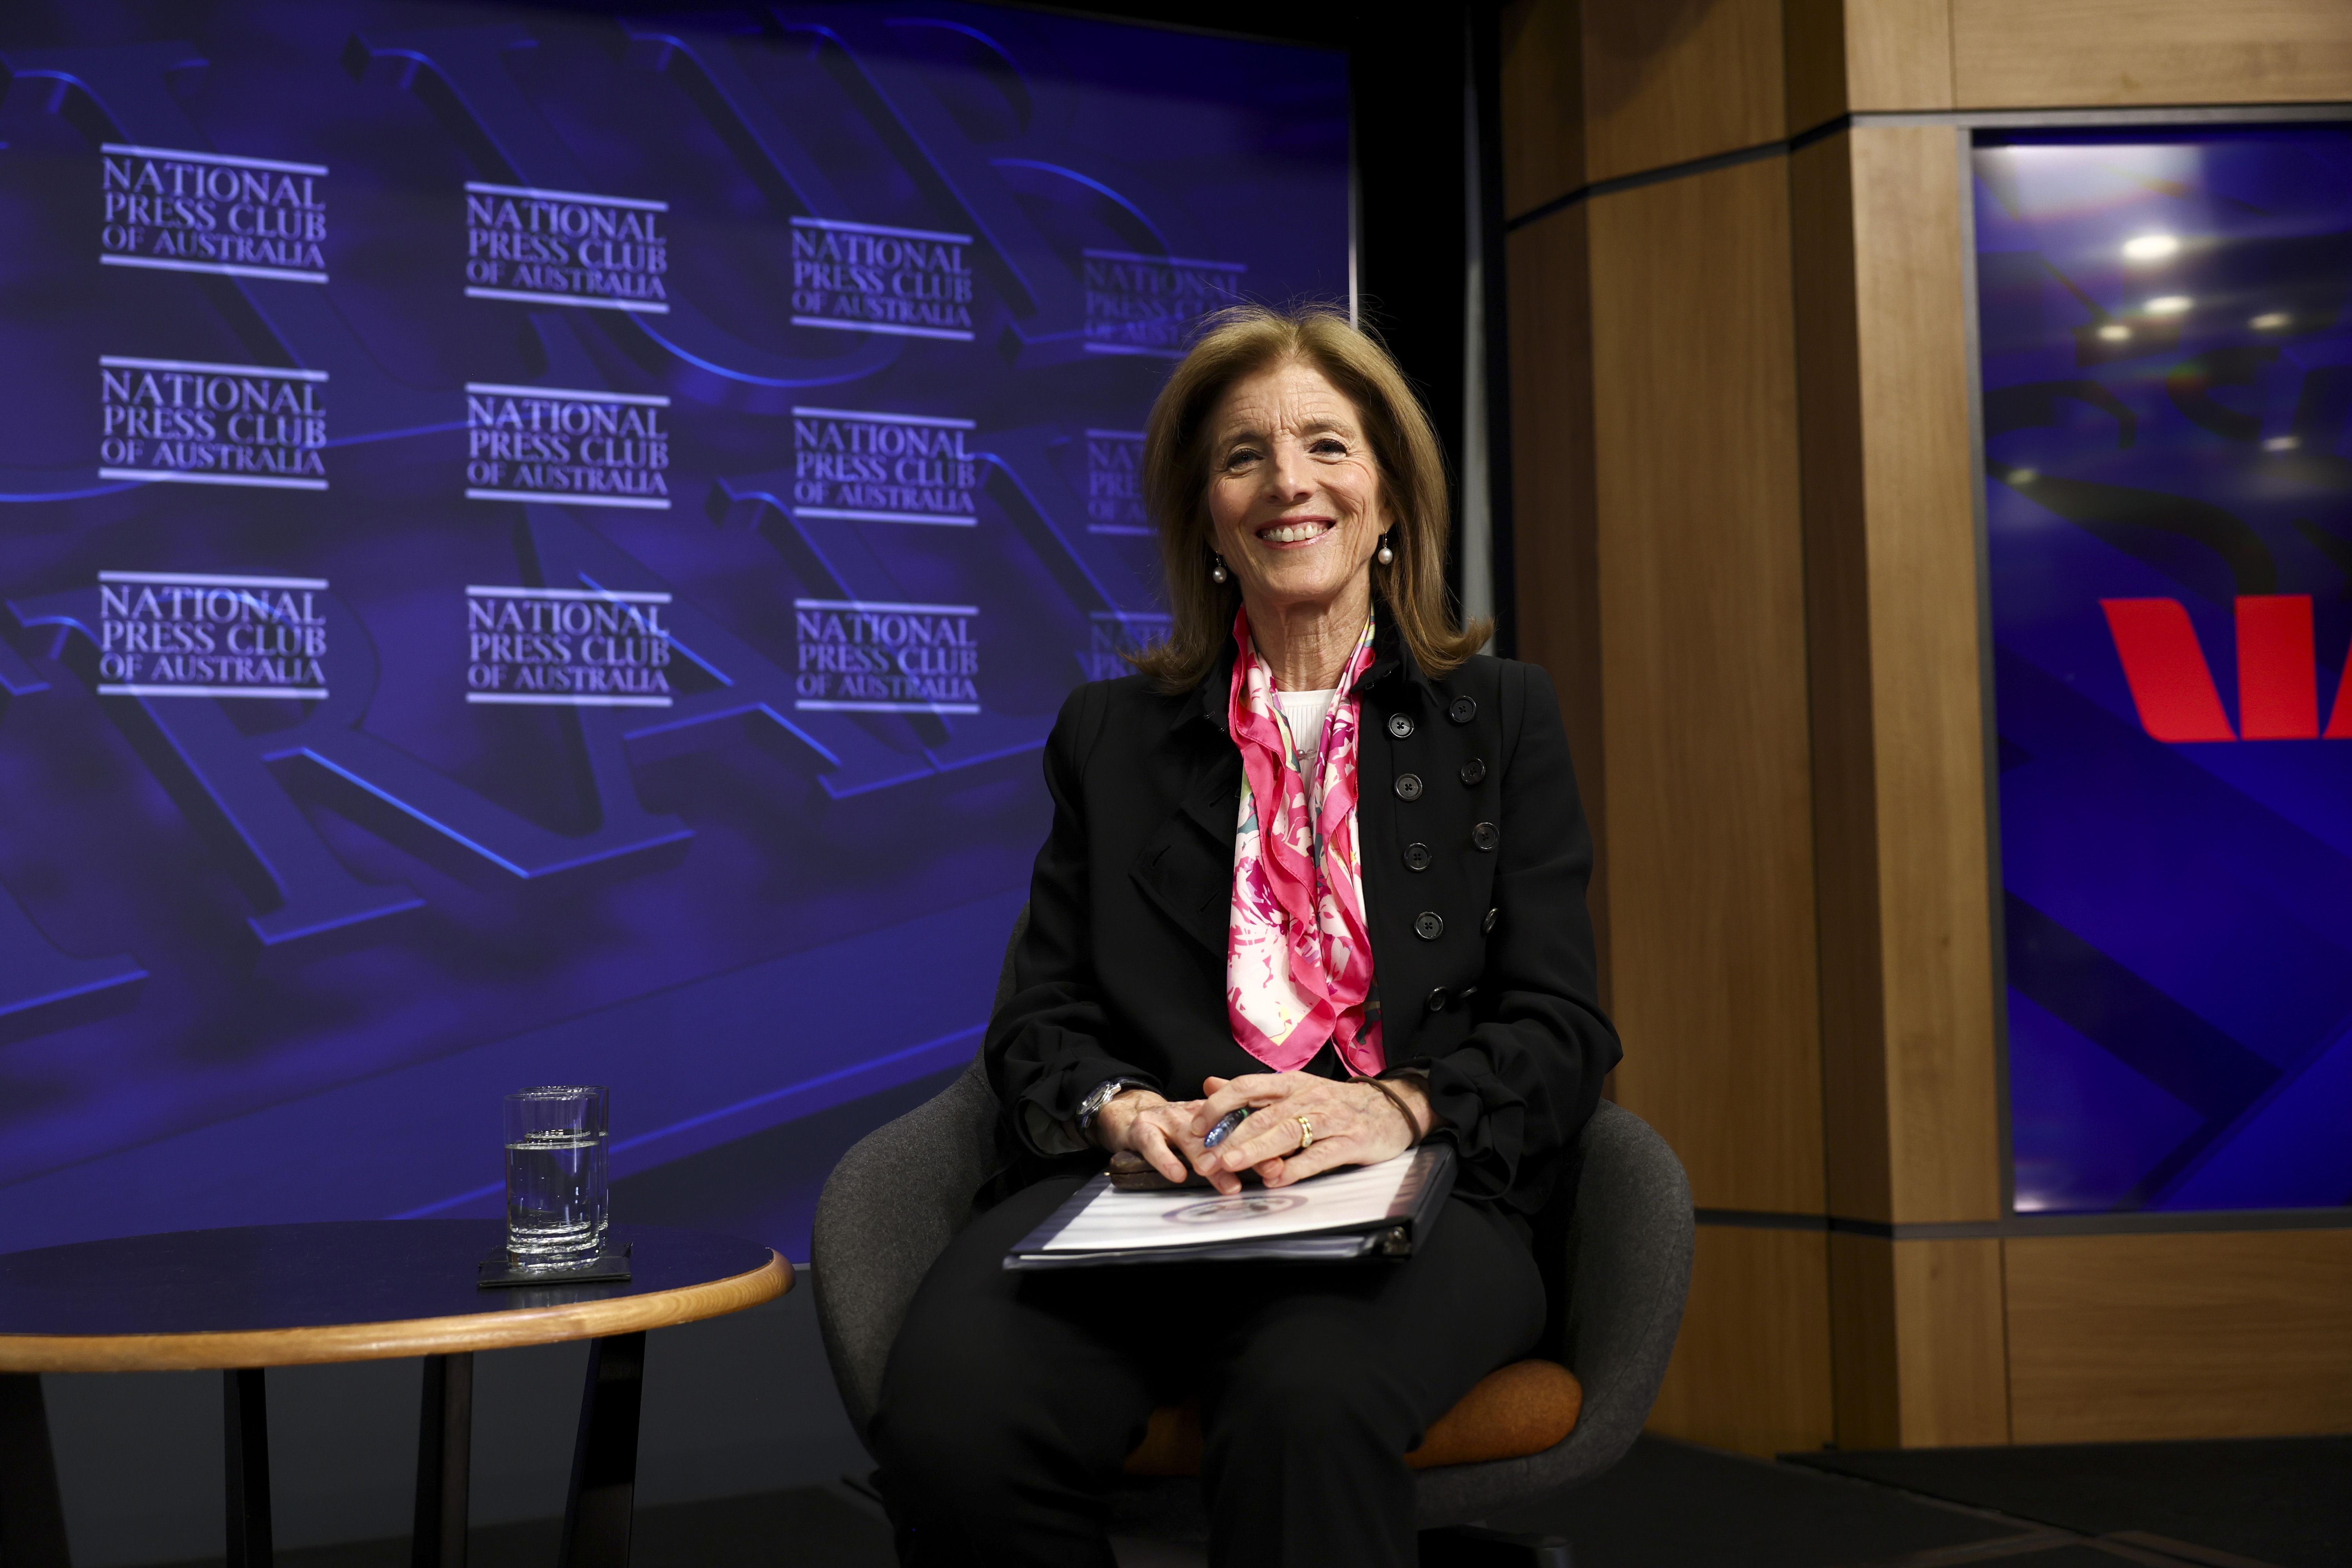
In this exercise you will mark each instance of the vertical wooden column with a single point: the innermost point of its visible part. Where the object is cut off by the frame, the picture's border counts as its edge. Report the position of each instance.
(1909, 1064)
(1748, 556)
(1699, 552)
(1661, 573)
(1550, 285)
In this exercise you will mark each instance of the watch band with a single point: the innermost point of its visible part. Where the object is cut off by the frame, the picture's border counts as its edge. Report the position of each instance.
(1102, 1094)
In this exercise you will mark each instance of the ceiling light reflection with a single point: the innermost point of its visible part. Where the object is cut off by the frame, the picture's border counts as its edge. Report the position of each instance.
(2281, 444)
(2115, 331)
(2150, 246)
(2169, 304)
(2268, 321)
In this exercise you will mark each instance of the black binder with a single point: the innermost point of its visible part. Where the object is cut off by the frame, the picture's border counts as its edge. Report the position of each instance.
(1420, 1198)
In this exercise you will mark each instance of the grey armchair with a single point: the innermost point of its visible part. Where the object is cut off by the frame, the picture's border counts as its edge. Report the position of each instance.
(897, 1198)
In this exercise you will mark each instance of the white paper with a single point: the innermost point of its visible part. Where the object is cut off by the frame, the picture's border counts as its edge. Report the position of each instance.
(1116, 1221)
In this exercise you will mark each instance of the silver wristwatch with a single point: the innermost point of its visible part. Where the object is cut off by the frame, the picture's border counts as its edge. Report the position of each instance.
(1103, 1093)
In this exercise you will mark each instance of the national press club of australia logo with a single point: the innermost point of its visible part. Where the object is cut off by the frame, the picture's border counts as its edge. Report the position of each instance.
(566, 247)
(192, 633)
(861, 466)
(1115, 483)
(869, 655)
(563, 444)
(567, 647)
(1152, 305)
(169, 209)
(865, 277)
(193, 422)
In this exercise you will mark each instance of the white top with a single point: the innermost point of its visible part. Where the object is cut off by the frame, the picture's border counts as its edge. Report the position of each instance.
(1305, 710)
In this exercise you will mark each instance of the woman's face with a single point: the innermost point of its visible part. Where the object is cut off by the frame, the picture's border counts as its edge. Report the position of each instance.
(1294, 498)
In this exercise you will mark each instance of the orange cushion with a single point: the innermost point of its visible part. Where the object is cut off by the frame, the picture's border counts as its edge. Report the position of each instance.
(1522, 1409)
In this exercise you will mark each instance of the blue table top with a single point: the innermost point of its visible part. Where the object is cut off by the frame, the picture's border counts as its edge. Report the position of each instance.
(266, 1277)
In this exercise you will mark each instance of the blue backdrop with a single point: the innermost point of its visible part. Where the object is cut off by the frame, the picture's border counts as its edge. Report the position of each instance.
(545, 550)
(2168, 377)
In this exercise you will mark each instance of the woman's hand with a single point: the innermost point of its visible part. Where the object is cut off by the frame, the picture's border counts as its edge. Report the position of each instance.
(1159, 1130)
(1355, 1124)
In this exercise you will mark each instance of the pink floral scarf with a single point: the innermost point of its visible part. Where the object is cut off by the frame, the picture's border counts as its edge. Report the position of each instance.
(1298, 964)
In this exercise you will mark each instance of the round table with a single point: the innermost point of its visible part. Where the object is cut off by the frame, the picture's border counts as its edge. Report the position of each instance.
(243, 1299)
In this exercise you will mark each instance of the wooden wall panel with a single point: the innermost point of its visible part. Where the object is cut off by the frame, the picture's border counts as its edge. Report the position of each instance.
(1551, 478)
(1951, 1351)
(1918, 1343)
(1813, 43)
(1918, 484)
(1669, 80)
(1797, 933)
(1898, 55)
(1911, 1081)
(1751, 1370)
(2123, 1338)
(1543, 102)
(1862, 1342)
(2028, 54)
(1700, 551)
(1843, 56)
(1837, 612)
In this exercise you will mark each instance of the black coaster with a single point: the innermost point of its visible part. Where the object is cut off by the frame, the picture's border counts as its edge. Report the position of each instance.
(499, 1268)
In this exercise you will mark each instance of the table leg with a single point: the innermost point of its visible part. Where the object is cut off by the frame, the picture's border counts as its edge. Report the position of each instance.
(31, 1518)
(445, 1448)
(245, 1409)
(597, 1516)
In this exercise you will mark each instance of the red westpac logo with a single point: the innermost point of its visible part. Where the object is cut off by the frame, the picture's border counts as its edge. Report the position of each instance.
(2278, 672)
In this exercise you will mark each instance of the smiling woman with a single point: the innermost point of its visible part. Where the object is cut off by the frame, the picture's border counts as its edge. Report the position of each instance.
(1321, 862)
(1266, 399)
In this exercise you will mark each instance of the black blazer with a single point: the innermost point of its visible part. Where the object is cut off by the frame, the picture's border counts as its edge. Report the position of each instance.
(1475, 859)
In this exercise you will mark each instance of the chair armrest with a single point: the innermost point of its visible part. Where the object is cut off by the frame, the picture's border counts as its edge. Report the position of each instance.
(1628, 1271)
(886, 1213)
(1629, 1263)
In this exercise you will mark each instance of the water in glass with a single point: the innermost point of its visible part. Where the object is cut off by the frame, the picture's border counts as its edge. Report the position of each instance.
(558, 1174)
(555, 1196)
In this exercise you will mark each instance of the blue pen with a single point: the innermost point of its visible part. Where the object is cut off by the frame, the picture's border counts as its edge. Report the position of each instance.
(1231, 1120)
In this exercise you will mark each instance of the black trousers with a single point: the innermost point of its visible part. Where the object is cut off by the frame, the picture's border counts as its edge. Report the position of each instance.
(1011, 1401)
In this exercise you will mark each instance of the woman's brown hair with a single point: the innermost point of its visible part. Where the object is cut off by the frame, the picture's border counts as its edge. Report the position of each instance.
(1238, 343)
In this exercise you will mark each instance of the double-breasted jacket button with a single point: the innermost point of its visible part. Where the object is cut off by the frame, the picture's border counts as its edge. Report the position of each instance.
(1485, 835)
(1474, 770)
(1462, 710)
(1417, 857)
(1468, 993)
(1408, 786)
(1400, 725)
(1440, 999)
(1428, 925)
(1488, 928)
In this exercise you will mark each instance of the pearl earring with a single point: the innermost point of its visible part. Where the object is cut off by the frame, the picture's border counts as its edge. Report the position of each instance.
(1217, 574)
(1387, 557)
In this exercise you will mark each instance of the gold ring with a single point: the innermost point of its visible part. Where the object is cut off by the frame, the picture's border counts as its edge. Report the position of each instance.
(1305, 1133)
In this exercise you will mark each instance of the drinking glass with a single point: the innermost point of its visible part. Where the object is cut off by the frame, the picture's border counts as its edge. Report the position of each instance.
(558, 1168)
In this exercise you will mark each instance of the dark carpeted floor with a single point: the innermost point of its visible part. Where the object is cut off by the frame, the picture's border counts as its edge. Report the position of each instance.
(812, 1527)
(2269, 1503)
(1673, 1504)
(2287, 1501)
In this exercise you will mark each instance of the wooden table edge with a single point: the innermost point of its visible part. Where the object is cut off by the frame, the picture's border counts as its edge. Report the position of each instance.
(388, 1341)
